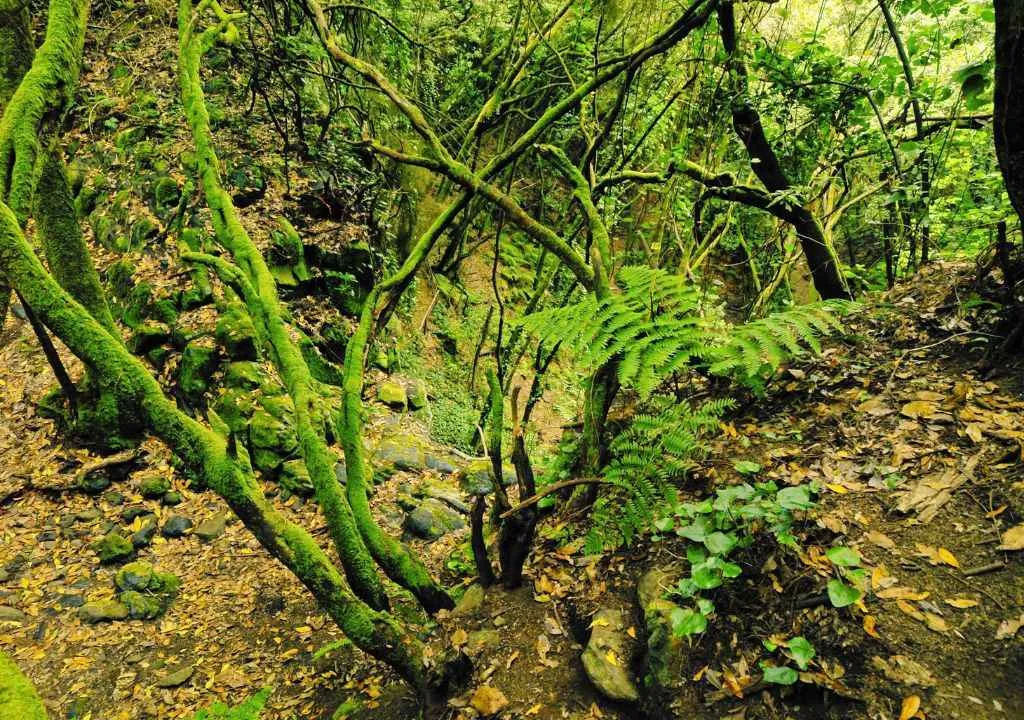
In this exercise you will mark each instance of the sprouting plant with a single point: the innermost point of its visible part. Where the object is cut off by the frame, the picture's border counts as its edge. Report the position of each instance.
(844, 589)
(797, 649)
(716, 527)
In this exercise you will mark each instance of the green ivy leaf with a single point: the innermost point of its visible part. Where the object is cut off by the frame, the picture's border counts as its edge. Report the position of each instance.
(665, 524)
(686, 622)
(779, 675)
(720, 543)
(801, 650)
(795, 498)
(840, 594)
(705, 578)
(746, 467)
(843, 556)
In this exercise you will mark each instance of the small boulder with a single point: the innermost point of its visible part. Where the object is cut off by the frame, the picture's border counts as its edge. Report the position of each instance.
(439, 465)
(141, 576)
(172, 498)
(175, 526)
(403, 452)
(211, 528)
(197, 365)
(432, 519)
(140, 607)
(131, 512)
(295, 478)
(148, 336)
(96, 611)
(155, 486)
(175, 678)
(243, 374)
(236, 333)
(392, 394)
(470, 601)
(11, 615)
(477, 478)
(605, 659)
(447, 494)
(416, 393)
(113, 548)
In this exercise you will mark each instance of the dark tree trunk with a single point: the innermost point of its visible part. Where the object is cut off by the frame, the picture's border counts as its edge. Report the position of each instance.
(1008, 119)
(821, 261)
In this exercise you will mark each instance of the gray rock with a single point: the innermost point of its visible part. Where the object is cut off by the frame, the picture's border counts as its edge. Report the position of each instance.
(652, 585)
(13, 615)
(171, 498)
(416, 392)
(439, 465)
(211, 528)
(404, 452)
(606, 658)
(470, 601)
(176, 678)
(392, 394)
(176, 526)
(432, 519)
(153, 487)
(447, 494)
(102, 610)
(477, 478)
(88, 515)
(114, 547)
(133, 511)
(144, 535)
(71, 601)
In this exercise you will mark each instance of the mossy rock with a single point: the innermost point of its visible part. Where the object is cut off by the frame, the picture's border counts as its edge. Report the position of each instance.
(402, 452)
(477, 478)
(164, 309)
(416, 392)
(141, 607)
(154, 486)
(271, 440)
(243, 374)
(432, 519)
(149, 336)
(249, 181)
(142, 231)
(96, 611)
(295, 479)
(196, 368)
(141, 576)
(113, 548)
(166, 195)
(236, 333)
(392, 394)
(235, 407)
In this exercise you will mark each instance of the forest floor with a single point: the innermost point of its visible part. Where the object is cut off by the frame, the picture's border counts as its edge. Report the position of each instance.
(920, 462)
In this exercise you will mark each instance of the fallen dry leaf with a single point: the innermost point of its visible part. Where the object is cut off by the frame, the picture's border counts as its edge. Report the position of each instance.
(488, 700)
(911, 704)
(1013, 539)
(1008, 628)
(869, 626)
(881, 540)
(961, 603)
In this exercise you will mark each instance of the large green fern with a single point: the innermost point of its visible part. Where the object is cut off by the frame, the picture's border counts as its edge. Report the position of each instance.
(656, 450)
(658, 324)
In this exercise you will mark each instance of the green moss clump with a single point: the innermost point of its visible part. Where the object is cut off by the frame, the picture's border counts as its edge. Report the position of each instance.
(196, 368)
(236, 333)
(113, 548)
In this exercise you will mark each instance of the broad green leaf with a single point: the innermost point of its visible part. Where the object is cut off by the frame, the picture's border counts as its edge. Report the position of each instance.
(840, 594)
(795, 498)
(801, 650)
(687, 622)
(720, 543)
(705, 578)
(780, 675)
(746, 467)
(843, 556)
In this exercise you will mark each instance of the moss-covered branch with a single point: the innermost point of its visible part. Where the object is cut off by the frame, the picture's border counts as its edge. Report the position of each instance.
(265, 308)
(207, 454)
(42, 96)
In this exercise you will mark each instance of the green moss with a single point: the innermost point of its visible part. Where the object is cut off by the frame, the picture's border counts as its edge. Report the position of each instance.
(236, 334)
(113, 548)
(18, 699)
(196, 368)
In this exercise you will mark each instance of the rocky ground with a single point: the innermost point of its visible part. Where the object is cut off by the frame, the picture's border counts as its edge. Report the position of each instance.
(918, 461)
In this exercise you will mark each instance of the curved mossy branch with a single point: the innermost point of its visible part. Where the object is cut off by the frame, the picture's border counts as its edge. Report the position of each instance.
(60, 237)
(18, 698)
(265, 306)
(41, 97)
(206, 453)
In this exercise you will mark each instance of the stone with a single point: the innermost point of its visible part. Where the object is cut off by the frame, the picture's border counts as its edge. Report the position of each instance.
(114, 498)
(140, 607)
(477, 478)
(666, 658)
(94, 483)
(11, 615)
(175, 526)
(403, 452)
(88, 515)
(272, 439)
(406, 502)
(236, 333)
(113, 548)
(295, 478)
(470, 602)
(416, 394)
(131, 512)
(447, 494)
(71, 601)
(211, 528)
(143, 537)
(96, 611)
(432, 519)
(171, 498)
(154, 486)
(235, 407)
(195, 369)
(176, 678)
(606, 659)
(439, 465)
(488, 701)
(243, 374)
(148, 336)
(652, 585)
(138, 575)
(392, 394)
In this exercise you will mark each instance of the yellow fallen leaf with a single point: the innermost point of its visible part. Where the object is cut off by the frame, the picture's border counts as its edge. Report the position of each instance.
(460, 637)
(837, 489)
(911, 705)
(936, 623)
(901, 593)
(881, 540)
(962, 603)
(947, 557)
(611, 658)
(700, 673)
(631, 631)
(534, 709)
(869, 626)
(997, 512)
(1013, 539)
(910, 610)
(919, 409)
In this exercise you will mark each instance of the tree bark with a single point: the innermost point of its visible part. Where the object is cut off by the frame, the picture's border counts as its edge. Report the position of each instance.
(1008, 120)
